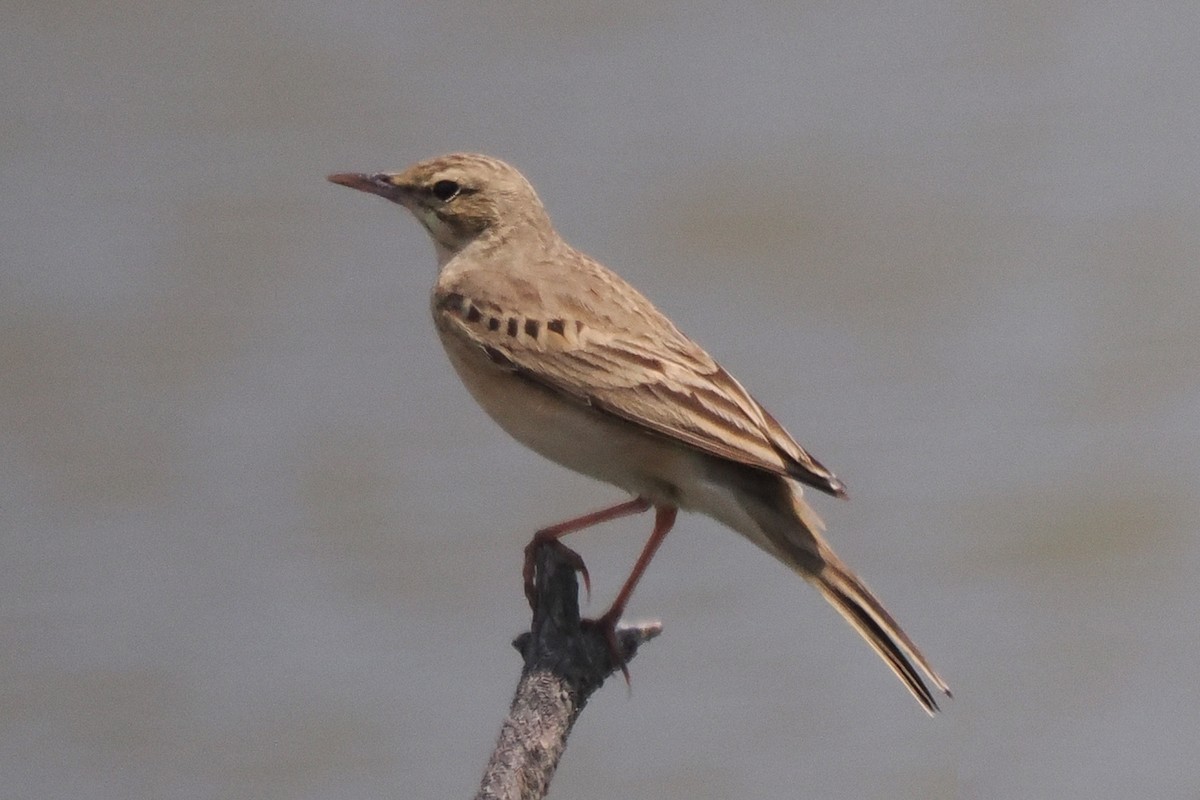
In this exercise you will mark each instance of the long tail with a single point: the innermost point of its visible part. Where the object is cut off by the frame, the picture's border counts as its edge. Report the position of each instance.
(854, 601)
(791, 531)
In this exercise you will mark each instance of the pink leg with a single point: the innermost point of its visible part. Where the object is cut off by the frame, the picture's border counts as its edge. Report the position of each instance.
(550, 537)
(664, 519)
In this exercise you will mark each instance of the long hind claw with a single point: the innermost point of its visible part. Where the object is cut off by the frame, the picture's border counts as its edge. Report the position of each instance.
(607, 623)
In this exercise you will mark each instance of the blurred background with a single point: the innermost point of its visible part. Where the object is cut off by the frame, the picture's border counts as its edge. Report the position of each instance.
(256, 542)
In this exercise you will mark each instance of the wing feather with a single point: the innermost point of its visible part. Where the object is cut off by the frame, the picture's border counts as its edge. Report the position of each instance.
(646, 372)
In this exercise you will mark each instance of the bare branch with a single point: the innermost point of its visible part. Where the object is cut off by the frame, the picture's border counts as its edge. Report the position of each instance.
(566, 660)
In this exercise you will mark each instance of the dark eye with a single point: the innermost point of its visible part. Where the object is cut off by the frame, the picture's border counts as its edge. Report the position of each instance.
(445, 190)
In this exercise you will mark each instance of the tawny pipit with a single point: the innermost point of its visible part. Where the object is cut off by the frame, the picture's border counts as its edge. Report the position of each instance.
(577, 365)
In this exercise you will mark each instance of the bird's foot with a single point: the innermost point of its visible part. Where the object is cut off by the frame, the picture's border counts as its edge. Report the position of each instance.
(606, 623)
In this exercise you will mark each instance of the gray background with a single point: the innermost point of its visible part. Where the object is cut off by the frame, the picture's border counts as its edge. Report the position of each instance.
(257, 543)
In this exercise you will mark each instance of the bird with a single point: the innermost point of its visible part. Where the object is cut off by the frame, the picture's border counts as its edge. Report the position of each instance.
(576, 364)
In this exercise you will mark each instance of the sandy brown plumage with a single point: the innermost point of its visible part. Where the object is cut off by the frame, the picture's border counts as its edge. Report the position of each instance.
(576, 364)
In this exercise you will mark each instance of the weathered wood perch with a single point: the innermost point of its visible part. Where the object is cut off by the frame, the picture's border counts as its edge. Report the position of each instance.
(565, 662)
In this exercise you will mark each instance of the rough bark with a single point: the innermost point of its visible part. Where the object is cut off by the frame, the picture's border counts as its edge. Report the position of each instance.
(566, 660)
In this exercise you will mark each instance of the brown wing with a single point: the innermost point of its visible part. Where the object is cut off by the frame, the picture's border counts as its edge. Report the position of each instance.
(655, 378)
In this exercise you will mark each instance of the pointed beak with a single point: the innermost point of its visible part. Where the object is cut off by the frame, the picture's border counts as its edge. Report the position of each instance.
(380, 183)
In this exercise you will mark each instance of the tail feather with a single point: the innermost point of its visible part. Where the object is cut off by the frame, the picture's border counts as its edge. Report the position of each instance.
(854, 601)
(789, 529)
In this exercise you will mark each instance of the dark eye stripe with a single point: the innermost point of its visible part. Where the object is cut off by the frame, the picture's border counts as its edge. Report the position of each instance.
(445, 190)
(429, 190)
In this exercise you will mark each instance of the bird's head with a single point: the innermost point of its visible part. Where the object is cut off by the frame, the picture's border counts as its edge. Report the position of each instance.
(458, 198)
